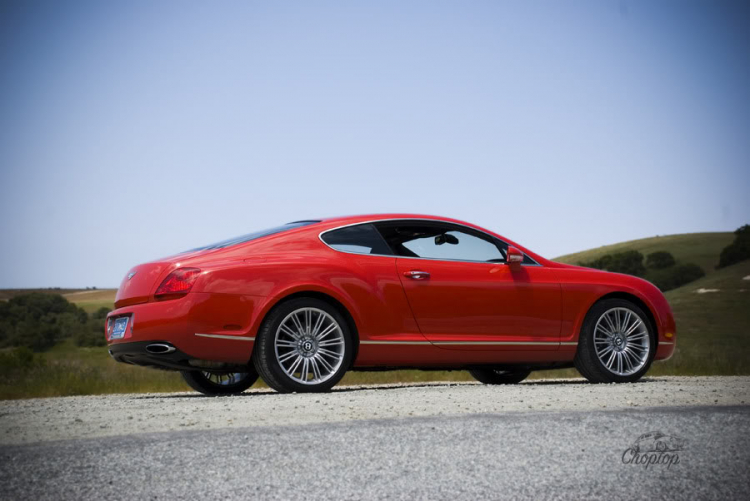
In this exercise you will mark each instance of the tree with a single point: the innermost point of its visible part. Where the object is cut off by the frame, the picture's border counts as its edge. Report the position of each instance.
(101, 313)
(737, 251)
(37, 321)
(659, 260)
(629, 262)
(675, 276)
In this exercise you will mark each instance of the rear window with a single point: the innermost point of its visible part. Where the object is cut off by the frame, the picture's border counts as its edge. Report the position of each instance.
(360, 239)
(253, 236)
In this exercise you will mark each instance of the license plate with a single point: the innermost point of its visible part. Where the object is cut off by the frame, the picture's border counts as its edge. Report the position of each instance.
(118, 331)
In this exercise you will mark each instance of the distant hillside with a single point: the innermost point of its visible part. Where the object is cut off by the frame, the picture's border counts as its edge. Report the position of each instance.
(93, 300)
(6, 294)
(88, 299)
(702, 249)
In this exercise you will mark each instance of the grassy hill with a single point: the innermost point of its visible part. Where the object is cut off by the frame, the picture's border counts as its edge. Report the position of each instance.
(702, 249)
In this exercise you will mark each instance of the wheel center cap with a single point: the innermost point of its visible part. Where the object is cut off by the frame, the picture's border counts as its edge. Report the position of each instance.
(307, 346)
(619, 342)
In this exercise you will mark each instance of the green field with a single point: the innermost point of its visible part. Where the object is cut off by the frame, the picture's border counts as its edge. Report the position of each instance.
(713, 330)
(93, 300)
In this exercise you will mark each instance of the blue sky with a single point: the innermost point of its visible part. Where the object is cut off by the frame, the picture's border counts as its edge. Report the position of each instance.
(133, 130)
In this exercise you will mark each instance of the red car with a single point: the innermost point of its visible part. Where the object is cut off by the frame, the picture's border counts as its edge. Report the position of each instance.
(301, 304)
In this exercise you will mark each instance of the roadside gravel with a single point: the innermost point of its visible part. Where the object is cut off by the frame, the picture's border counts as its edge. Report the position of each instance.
(49, 419)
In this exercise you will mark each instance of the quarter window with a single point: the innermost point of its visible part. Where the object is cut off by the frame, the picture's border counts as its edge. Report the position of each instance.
(360, 239)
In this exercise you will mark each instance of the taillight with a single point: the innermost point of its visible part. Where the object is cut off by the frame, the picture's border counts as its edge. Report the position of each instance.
(179, 282)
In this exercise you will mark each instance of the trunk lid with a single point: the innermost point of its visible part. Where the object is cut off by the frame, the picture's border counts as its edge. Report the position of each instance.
(141, 281)
(138, 284)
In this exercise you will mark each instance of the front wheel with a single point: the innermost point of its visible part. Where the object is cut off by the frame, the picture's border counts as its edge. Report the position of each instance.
(303, 346)
(492, 376)
(219, 383)
(617, 343)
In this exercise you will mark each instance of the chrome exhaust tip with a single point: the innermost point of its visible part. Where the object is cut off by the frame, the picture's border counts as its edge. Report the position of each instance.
(160, 348)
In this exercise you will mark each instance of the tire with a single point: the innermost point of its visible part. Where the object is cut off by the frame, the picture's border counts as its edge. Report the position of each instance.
(633, 353)
(492, 376)
(304, 345)
(218, 383)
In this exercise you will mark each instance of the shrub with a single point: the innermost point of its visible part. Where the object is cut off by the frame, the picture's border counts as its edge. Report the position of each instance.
(737, 251)
(675, 276)
(629, 262)
(92, 334)
(37, 321)
(35, 335)
(659, 260)
(101, 313)
(599, 264)
(18, 359)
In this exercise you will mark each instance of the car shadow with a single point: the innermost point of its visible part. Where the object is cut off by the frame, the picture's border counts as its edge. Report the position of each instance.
(266, 392)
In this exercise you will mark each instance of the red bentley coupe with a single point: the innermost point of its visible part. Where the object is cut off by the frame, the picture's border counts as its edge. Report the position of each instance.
(302, 303)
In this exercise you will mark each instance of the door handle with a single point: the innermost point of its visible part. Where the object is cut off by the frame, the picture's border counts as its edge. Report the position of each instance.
(417, 275)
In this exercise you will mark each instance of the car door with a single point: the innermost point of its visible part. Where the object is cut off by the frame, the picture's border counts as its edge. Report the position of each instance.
(370, 279)
(464, 296)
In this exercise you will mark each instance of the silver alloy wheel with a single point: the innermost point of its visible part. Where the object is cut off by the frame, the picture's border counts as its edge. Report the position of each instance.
(309, 346)
(224, 378)
(622, 341)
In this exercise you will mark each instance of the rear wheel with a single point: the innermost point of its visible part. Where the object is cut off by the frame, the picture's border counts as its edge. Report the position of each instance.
(617, 343)
(219, 383)
(492, 376)
(303, 346)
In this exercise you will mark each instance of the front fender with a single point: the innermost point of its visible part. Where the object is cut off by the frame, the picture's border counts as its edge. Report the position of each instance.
(583, 287)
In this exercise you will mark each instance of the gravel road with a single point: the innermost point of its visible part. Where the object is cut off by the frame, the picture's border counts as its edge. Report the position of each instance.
(541, 439)
(34, 420)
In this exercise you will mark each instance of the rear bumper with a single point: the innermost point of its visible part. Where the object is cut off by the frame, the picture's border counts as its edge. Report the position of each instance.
(137, 353)
(201, 326)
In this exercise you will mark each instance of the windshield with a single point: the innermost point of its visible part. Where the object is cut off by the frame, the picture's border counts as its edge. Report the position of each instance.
(253, 236)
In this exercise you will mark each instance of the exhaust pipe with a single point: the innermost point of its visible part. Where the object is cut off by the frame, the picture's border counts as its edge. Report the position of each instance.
(160, 348)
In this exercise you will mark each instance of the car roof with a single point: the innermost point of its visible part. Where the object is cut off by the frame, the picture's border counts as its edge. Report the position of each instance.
(378, 217)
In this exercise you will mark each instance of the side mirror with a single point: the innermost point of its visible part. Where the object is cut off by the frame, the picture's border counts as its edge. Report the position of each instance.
(515, 256)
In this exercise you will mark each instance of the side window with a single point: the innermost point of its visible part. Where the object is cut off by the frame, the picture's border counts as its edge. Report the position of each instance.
(360, 239)
(439, 241)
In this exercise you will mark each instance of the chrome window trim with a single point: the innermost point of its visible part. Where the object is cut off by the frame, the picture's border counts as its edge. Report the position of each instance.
(320, 237)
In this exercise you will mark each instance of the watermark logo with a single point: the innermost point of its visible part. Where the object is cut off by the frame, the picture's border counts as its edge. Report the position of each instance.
(655, 449)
